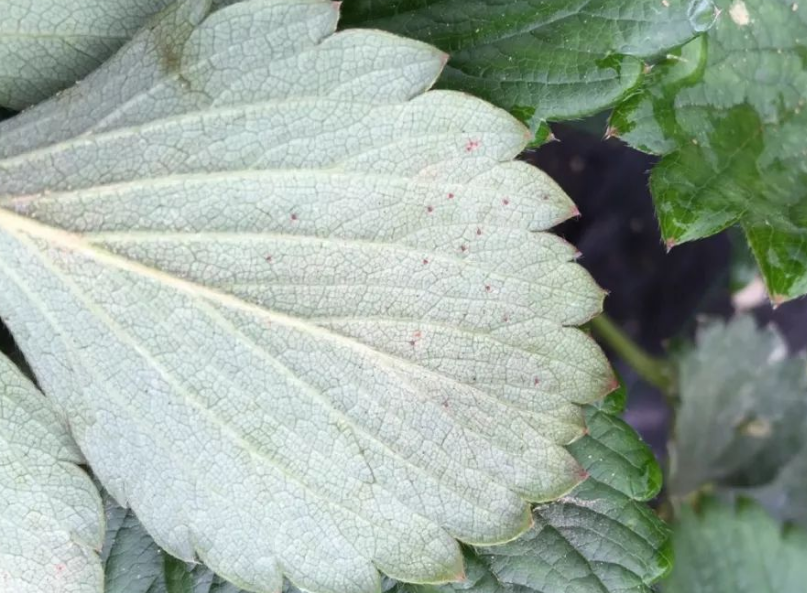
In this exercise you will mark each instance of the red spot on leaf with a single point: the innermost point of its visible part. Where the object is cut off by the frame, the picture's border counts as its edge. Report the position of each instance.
(463, 248)
(505, 202)
(613, 384)
(506, 318)
(478, 231)
(294, 217)
(583, 474)
(487, 288)
(450, 196)
(429, 209)
(536, 381)
(418, 334)
(472, 145)
(268, 258)
(425, 261)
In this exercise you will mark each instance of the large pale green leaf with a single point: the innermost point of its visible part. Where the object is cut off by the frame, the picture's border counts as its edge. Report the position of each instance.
(601, 538)
(541, 59)
(50, 511)
(743, 408)
(133, 563)
(730, 114)
(300, 314)
(48, 45)
(724, 549)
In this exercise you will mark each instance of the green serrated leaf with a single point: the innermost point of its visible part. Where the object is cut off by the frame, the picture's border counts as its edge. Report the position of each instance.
(301, 314)
(743, 408)
(598, 539)
(50, 511)
(541, 59)
(613, 455)
(729, 112)
(720, 548)
(48, 45)
(616, 401)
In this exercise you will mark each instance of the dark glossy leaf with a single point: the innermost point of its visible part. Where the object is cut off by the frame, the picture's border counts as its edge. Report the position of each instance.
(729, 114)
(541, 59)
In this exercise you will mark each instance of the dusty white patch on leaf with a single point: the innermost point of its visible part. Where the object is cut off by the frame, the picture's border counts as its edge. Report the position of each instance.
(739, 13)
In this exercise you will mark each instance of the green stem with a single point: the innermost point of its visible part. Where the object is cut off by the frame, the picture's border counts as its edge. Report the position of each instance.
(655, 371)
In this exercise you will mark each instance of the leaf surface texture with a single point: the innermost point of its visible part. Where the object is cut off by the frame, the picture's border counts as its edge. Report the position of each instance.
(301, 313)
(48, 45)
(51, 521)
(729, 114)
(541, 59)
(601, 538)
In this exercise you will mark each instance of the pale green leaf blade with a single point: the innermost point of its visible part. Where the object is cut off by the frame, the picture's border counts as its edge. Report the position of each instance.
(721, 548)
(133, 563)
(50, 511)
(743, 408)
(729, 115)
(310, 306)
(541, 60)
(600, 538)
(49, 45)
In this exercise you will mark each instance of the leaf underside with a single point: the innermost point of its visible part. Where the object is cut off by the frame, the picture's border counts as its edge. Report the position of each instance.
(729, 113)
(601, 538)
(301, 314)
(541, 59)
(48, 45)
(50, 512)
(133, 563)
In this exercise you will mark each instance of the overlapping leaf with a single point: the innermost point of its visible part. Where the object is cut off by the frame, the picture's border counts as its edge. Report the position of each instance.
(50, 512)
(729, 112)
(300, 314)
(48, 45)
(133, 563)
(541, 59)
(724, 549)
(743, 408)
(601, 538)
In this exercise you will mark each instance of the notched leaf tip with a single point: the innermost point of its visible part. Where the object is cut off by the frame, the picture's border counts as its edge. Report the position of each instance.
(777, 300)
(670, 243)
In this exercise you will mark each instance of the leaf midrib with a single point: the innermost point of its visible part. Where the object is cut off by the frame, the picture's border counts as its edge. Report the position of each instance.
(226, 428)
(33, 228)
